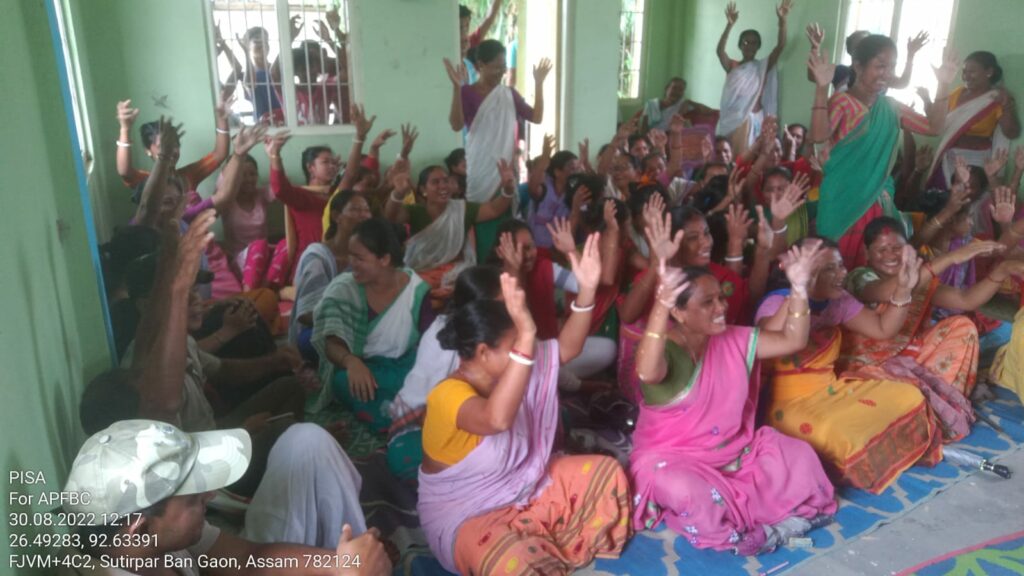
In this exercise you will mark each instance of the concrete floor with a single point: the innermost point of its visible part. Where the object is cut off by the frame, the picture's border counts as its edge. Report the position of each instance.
(980, 508)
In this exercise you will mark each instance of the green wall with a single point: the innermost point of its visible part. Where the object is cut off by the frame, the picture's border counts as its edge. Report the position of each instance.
(590, 83)
(52, 338)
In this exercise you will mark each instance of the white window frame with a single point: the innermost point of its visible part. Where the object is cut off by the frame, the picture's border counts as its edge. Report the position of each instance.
(287, 72)
(644, 55)
(69, 53)
(839, 52)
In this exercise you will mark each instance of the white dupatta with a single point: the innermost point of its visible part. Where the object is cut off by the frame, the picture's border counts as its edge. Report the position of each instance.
(744, 84)
(343, 313)
(492, 137)
(317, 267)
(957, 122)
(442, 242)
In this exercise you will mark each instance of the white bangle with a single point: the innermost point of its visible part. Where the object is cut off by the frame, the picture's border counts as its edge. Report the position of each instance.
(576, 308)
(223, 131)
(395, 200)
(123, 144)
(781, 230)
(358, 141)
(512, 195)
(520, 359)
(903, 304)
(734, 258)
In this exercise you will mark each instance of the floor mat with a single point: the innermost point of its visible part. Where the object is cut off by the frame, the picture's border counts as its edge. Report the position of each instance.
(997, 557)
(390, 506)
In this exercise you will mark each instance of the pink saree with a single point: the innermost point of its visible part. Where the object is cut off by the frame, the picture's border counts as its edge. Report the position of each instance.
(699, 463)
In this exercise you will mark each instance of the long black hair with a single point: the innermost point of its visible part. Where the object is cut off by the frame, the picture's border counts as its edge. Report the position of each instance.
(338, 203)
(309, 156)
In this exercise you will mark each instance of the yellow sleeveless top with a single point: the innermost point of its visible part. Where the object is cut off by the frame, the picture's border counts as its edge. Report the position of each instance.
(443, 441)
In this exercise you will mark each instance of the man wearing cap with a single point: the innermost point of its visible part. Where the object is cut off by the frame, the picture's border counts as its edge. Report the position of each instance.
(150, 483)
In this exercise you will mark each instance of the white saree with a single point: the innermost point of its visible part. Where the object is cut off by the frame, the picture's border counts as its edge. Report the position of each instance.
(442, 242)
(958, 121)
(744, 84)
(492, 137)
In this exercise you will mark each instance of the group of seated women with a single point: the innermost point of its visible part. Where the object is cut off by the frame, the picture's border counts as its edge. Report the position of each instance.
(800, 317)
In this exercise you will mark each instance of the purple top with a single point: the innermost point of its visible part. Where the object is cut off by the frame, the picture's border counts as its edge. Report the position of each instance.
(542, 213)
(194, 210)
(471, 101)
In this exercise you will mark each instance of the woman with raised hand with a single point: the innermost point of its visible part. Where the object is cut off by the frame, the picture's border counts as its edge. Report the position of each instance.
(368, 323)
(699, 462)
(867, 429)
(751, 86)
(940, 355)
(192, 174)
(438, 249)
(490, 112)
(491, 495)
(863, 127)
(981, 118)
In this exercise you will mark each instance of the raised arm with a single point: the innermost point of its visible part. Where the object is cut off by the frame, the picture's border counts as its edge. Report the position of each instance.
(497, 412)
(156, 184)
(945, 75)
(821, 71)
(587, 270)
(610, 245)
(244, 142)
(731, 15)
(782, 11)
(126, 116)
(498, 205)
(886, 324)
(492, 15)
(651, 367)
(222, 142)
(663, 247)
(959, 197)
(737, 221)
(401, 185)
(535, 179)
(800, 264)
(1010, 121)
(363, 125)
(914, 45)
(458, 77)
(977, 295)
(162, 333)
(540, 72)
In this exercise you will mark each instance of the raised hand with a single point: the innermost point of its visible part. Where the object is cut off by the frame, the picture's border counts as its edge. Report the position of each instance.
(737, 222)
(295, 26)
(815, 35)
(820, 68)
(610, 223)
(671, 283)
(782, 11)
(223, 107)
(409, 136)
(765, 234)
(398, 177)
(731, 13)
(802, 181)
(511, 253)
(947, 72)
(382, 138)
(1004, 205)
(995, 163)
(561, 236)
(190, 250)
(659, 234)
(963, 171)
(457, 74)
(334, 19)
(976, 249)
(248, 137)
(323, 32)
(734, 190)
(915, 44)
(677, 124)
(273, 143)
(800, 263)
(507, 172)
(515, 303)
(959, 196)
(126, 115)
(910, 269)
(923, 158)
(655, 206)
(587, 267)
(170, 138)
(658, 138)
(361, 122)
(581, 198)
(541, 70)
(785, 204)
(548, 146)
(584, 147)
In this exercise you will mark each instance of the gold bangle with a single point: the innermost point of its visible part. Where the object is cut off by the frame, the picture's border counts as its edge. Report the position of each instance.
(991, 279)
(654, 335)
(799, 314)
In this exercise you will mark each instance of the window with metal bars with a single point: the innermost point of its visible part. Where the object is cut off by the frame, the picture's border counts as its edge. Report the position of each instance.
(902, 20)
(631, 46)
(284, 62)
